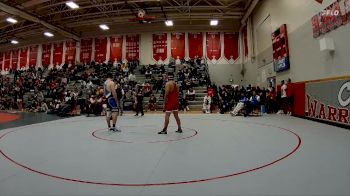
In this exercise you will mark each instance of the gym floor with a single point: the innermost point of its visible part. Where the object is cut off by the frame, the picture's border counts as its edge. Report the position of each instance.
(215, 155)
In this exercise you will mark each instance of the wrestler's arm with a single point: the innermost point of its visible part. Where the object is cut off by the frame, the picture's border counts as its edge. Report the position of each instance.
(167, 89)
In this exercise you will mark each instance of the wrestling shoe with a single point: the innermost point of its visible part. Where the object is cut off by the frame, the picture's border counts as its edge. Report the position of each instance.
(163, 132)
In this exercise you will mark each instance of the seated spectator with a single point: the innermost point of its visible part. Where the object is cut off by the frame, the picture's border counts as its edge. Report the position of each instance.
(184, 104)
(147, 89)
(253, 104)
(240, 105)
(152, 103)
(148, 74)
(191, 94)
(43, 107)
(206, 104)
(125, 69)
(92, 106)
(223, 106)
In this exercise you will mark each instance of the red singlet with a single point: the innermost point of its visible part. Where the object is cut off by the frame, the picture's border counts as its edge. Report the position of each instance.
(173, 99)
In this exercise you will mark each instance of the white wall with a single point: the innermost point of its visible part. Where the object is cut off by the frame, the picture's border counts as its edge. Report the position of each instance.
(307, 62)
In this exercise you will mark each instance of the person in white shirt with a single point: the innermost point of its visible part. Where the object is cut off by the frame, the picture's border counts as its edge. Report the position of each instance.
(132, 78)
(283, 97)
(206, 104)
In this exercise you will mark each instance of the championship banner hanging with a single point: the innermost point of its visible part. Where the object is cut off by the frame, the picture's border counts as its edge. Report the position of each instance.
(46, 55)
(213, 46)
(100, 49)
(245, 41)
(57, 53)
(160, 46)
(23, 57)
(33, 54)
(195, 43)
(231, 47)
(132, 47)
(7, 60)
(85, 50)
(14, 65)
(178, 45)
(116, 48)
(70, 52)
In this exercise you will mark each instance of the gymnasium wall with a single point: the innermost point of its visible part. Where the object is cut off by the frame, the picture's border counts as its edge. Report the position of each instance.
(221, 72)
(307, 62)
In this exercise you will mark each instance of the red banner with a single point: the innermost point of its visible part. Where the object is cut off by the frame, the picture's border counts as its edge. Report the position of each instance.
(23, 57)
(231, 46)
(85, 50)
(245, 41)
(7, 60)
(1, 60)
(116, 48)
(100, 49)
(213, 46)
(15, 54)
(70, 52)
(46, 55)
(57, 53)
(160, 48)
(33, 54)
(132, 47)
(195, 43)
(178, 45)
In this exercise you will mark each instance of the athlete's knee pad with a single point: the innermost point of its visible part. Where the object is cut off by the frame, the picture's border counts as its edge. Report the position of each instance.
(108, 114)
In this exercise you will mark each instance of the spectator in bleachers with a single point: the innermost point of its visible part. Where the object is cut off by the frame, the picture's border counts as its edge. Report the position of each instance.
(191, 94)
(148, 74)
(152, 103)
(132, 79)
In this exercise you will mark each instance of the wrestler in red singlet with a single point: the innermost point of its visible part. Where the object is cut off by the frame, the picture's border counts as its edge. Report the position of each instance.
(172, 98)
(171, 105)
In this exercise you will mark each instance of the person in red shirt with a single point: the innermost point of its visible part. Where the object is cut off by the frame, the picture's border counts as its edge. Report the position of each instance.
(171, 105)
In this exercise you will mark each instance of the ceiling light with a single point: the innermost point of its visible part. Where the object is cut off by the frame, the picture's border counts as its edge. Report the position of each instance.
(72, 5)
(11, 20)
(214, 22)
(14, 42)
(104, 27)
(169, 23)
(48, 34)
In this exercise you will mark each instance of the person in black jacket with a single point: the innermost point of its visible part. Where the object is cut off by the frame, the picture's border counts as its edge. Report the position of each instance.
(139, 102)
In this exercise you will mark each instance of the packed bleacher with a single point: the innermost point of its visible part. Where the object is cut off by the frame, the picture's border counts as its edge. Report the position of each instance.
(74, 89)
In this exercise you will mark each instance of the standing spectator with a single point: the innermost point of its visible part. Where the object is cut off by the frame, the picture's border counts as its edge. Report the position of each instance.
(284, 99)
(139, 102)
(206, 104)
(120, 94)
(271, 101)
(290, 97)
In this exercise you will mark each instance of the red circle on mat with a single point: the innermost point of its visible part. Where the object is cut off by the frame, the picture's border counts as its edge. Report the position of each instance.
(162, 183)
(6, 117)
(148, 142)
